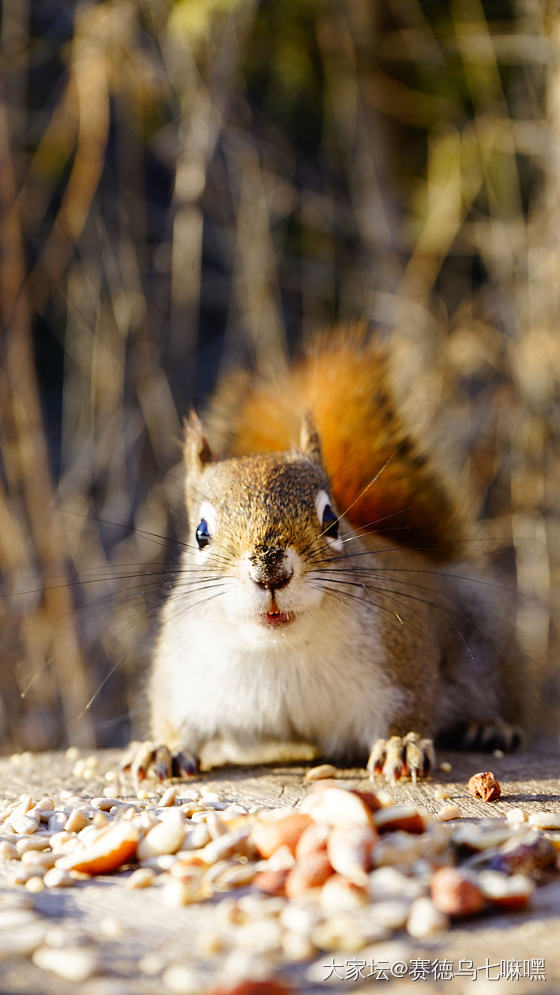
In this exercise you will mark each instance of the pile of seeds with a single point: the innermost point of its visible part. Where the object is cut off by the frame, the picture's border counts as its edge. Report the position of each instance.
(344, 871)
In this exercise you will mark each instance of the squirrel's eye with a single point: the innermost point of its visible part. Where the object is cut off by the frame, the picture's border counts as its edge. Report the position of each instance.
(329, 524)
(203, 536)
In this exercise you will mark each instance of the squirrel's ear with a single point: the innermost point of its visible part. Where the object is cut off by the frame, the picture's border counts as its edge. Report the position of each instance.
(196, 449)
(309, 440)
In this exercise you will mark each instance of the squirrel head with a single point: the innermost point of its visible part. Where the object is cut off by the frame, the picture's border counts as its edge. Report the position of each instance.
(261, 520)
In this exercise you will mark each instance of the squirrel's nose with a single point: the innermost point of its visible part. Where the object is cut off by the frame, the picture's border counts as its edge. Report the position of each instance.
(268, 568)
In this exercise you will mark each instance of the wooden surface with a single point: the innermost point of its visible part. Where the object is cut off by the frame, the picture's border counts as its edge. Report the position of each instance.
(529, 780)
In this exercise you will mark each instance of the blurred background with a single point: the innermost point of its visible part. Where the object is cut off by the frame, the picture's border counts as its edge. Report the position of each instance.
(191, 184)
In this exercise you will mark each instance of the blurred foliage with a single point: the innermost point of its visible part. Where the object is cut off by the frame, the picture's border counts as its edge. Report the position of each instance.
(189, 185)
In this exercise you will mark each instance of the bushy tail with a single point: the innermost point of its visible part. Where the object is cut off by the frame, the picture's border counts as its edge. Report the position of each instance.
(343, 380)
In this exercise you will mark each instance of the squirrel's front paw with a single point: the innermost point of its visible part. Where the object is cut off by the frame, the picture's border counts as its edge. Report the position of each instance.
(401, 755)
(145, 758)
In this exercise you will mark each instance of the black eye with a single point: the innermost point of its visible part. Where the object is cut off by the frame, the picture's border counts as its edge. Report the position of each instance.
(203, 536)
(329, 524)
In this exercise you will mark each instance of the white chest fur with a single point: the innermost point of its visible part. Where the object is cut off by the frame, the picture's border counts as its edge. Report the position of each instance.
(299, 682)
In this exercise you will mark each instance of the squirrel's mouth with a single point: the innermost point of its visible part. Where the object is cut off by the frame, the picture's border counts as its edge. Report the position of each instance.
(274, 617)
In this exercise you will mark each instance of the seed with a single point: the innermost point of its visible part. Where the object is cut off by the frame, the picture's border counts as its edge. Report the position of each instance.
(33, 843)
(449, 812)
(516, 815)
(424, 919)
(320, 772)
(404, 817)
(505, 890)
(269, 836)
(169, 797)
(442, 793)
(336, 807)
(111, 927)
(338, 933)
(228, 844)
(110, 850)
(37, 859)
(34, 884)
(21, 940)
(339, 893)
(350, 851)
(76, 821)
(545, 820)
(71, 963)
(181, 979)
(57, 878)
(24, 823)
(165, 837)
(182, 892)
(297, 946)
(309, 873)
(143, 877)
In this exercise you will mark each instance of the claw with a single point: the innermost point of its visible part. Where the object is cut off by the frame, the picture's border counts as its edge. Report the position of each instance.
(401, 756)
(185, 764)
(145, 758)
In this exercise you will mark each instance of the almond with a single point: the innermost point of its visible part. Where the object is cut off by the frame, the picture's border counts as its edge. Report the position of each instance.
(313, 840)
(310, 873)
(111, 850)
(336, 807)
(404, 817)
(456, 893)
(272, 882)
(506, 891)
(271, 835)
(349, 851)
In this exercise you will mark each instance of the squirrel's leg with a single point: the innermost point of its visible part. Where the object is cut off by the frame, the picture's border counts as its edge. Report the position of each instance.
(158, 759)
(401, 755)
(483, 736)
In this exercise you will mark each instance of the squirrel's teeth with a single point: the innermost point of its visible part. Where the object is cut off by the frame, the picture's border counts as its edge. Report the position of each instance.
(277, 617)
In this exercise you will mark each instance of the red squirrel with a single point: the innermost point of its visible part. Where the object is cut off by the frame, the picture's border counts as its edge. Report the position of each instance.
(320, 596)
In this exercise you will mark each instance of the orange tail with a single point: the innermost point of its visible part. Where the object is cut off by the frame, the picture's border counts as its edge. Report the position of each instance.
(380, 480)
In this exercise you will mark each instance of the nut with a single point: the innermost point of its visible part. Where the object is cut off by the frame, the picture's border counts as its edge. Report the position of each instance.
(506, 891)
(112, 849)
(545, 820)
(271, 835)
(320, 772)
(456, 893)
(484, 785)
(404, 817)
(272, 882)
(336, 807)
(349, 851)
(309, 873)
(449, 812)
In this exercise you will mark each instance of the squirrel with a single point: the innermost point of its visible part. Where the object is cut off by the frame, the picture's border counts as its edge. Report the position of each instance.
(319, 596)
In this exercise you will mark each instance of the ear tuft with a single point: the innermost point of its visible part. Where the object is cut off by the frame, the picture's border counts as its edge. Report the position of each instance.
(310, 442)
(196, 449)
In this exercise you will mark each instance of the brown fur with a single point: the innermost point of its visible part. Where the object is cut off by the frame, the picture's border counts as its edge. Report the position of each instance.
(381, 480)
